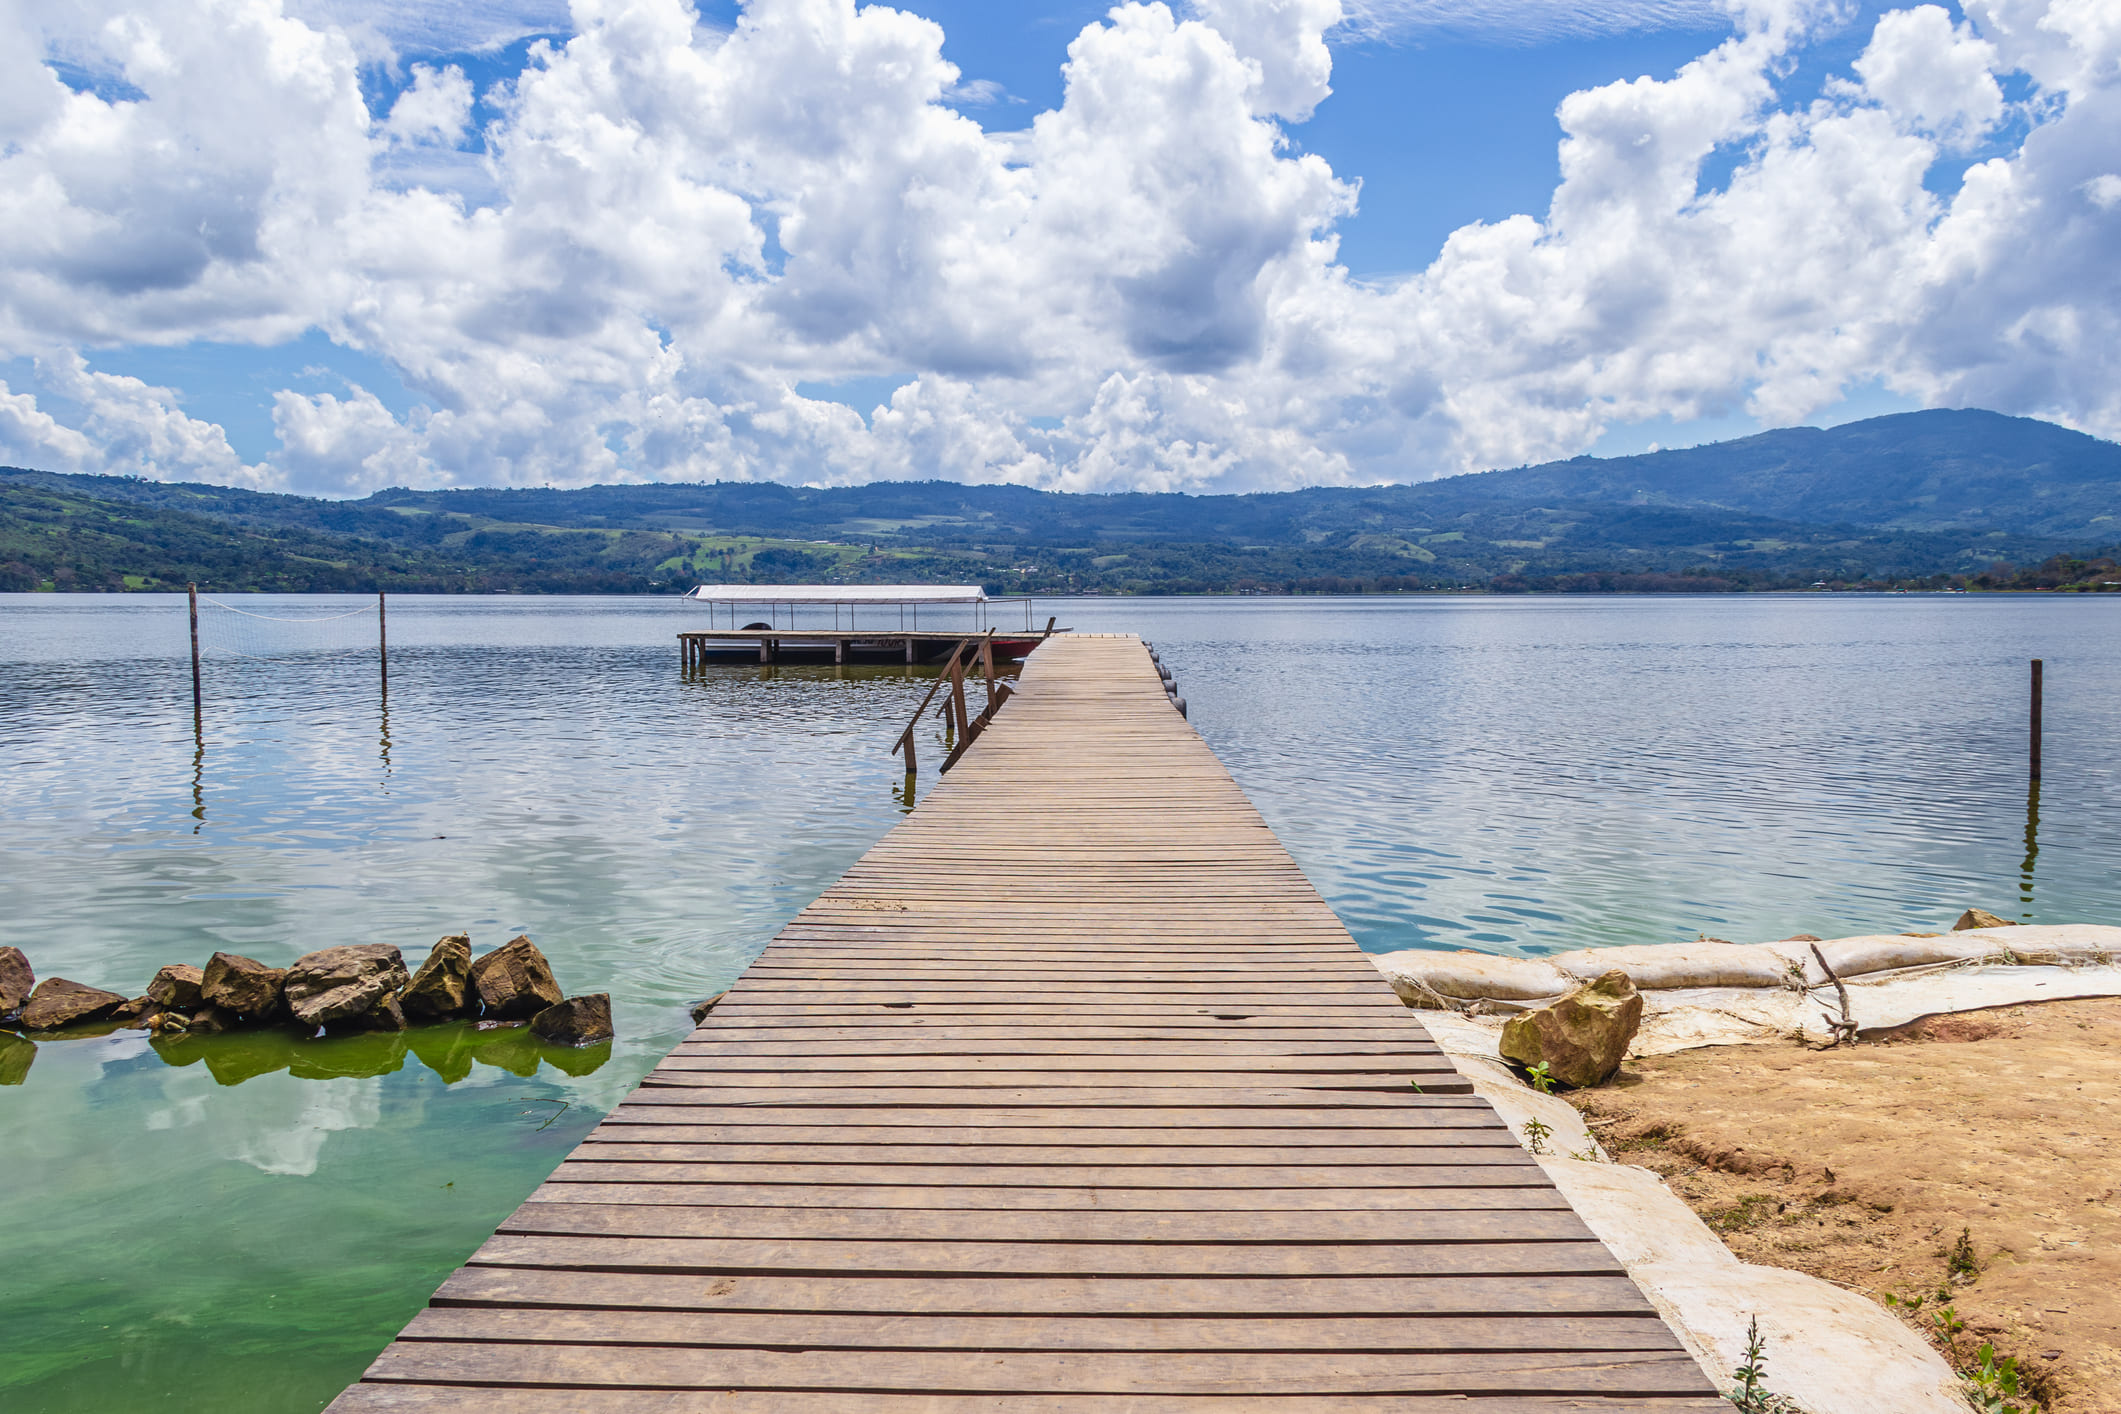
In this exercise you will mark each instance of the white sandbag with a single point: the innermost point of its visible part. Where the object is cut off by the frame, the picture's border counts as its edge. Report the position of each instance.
(2046, 944)
(1468, 976)
(1881, 952)
(1656, 965)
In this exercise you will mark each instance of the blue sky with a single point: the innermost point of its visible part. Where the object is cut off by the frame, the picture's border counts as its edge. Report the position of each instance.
(374, 331)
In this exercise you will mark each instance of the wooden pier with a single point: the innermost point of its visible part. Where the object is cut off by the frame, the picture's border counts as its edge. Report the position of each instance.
(1072, 1095)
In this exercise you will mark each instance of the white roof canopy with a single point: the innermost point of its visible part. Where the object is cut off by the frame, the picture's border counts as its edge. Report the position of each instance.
(839, 594)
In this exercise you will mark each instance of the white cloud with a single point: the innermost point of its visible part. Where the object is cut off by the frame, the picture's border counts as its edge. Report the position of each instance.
(1931, 75)
(123, 425)
(671, 226)
(435, 109)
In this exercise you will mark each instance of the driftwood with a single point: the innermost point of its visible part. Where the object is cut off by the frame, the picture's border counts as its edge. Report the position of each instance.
(1845, 1028)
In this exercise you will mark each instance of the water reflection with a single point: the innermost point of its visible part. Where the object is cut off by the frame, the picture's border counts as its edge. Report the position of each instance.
(17, 1054)
(2032, 844)
(449, 1050)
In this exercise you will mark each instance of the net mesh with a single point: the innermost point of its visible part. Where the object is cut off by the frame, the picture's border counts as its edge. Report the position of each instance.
(226, 631)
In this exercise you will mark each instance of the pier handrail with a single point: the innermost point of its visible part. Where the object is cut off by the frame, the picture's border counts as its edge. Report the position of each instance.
(905, 738)
(997, 694)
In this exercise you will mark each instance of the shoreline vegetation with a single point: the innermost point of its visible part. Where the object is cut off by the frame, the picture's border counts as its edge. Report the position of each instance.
(1936, 501)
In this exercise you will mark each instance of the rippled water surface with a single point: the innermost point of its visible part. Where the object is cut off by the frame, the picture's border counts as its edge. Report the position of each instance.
(239, 1225)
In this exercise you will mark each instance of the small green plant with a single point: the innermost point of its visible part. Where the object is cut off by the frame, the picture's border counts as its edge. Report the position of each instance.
(1542, 1081)
(1750, 1394)
(1536, 1134)
(1994, 1385)
(1962, 1264)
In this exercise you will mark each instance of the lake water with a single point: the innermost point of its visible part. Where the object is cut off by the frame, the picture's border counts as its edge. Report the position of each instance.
(239, 1225)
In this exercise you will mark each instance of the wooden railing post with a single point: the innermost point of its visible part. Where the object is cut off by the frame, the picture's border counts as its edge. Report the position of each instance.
(905, 738)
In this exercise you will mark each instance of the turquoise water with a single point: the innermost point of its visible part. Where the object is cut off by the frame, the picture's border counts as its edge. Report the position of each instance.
(239, 1225)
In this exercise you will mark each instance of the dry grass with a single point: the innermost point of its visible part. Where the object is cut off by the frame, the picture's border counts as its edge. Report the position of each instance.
(1864, 1165)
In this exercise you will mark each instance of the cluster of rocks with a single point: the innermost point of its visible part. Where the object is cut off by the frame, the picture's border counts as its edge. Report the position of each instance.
(354, 988)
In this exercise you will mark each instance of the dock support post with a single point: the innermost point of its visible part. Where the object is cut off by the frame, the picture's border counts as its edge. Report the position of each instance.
(765, 651)
(909, 650)
(839, 651)
(197, 704)
(2038, 665)
(383, 640)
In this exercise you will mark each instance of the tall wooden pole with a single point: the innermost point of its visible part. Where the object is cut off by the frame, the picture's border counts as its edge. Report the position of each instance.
(2037, 666)
(197, 703)
(383, 639)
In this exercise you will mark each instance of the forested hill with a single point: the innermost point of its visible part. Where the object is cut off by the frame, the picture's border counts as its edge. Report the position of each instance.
(1929, 497)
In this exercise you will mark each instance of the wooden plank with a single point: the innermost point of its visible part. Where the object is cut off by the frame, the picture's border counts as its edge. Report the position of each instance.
(472, 1399)
(1071, 1095)
(1350, 1096)
(880, 1193)
(1499, 1172)
(883, 1146)
(961, 1294)
(932, 1225)
(706, 1256)
(1617, 1373)
(737, 1329)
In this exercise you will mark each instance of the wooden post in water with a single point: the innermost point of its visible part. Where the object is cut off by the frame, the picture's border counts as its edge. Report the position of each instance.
(382, 641)
(197, 705)
(2035, 742)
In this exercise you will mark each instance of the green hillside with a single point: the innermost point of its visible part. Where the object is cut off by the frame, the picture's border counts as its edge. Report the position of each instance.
(1923, 499)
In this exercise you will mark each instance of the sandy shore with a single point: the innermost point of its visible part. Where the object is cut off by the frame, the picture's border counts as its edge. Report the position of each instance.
(1862, 1166)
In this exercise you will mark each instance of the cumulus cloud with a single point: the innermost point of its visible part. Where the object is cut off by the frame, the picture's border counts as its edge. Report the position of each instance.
(667, 227)
(435, 109)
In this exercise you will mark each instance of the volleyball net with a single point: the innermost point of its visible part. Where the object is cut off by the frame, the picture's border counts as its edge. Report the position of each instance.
(226, 631)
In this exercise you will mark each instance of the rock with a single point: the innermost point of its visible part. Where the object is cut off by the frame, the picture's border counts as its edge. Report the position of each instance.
(177, 985)
(242, 985)
(578, 1021)
(514, 980)
(1582, 1036)
(700, 1009)
(212, 1021)
(168, 1023)
(58, 1002)
(386, 1015)
(17, 981)
(442, 987)
(17, 1055)
(134, 1010)
(333, 984)
(1980, 918)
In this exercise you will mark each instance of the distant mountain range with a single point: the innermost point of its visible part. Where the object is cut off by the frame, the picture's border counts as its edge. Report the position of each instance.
(1925, 498)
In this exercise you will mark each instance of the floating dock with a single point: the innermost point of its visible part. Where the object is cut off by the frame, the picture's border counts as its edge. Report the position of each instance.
(1072, 1095)
(773, 645)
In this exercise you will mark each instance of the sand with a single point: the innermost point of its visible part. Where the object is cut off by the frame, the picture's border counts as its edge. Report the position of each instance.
(1863, 1165)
